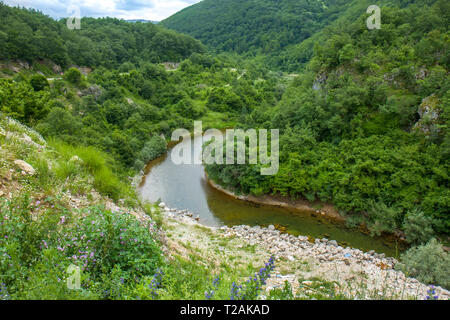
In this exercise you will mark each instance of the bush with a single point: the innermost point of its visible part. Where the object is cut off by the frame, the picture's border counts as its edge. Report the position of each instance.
(417, 227)
(154, 148)
(428, 263)
(383, 218)
(94, 162)
(113, 250)
(39, 82)
(74, 76)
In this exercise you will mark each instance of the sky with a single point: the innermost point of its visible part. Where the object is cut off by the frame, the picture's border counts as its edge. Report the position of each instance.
(155, 10)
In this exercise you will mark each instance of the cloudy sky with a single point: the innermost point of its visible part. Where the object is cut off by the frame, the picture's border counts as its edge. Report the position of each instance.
(155, 10)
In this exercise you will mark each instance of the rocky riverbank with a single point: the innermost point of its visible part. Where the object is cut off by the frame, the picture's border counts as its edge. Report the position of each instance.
(283, 202)
(356, 274)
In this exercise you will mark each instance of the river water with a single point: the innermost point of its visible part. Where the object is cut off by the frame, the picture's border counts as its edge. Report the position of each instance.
(185, 187)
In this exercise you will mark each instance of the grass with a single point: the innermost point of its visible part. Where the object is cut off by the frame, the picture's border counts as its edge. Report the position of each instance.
(93, 162)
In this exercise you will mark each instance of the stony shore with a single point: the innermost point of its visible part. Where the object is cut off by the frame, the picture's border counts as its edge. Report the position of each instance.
(364, 275)
(283, 202)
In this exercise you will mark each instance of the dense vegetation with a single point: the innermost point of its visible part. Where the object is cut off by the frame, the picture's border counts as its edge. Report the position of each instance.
(366, 125)
(264, 27)
(273, 32)
(55, 221)
(30, 36)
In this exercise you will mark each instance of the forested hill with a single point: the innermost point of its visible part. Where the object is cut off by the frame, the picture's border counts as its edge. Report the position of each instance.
(272, 30)
(264, 27)
(29, 35)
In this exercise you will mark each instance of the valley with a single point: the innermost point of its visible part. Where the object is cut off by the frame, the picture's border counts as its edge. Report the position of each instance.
(358, 207)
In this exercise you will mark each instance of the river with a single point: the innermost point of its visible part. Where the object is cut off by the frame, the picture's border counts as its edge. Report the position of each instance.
(185, 187)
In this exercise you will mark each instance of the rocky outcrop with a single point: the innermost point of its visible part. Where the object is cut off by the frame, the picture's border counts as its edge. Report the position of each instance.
(25, 167)
(429, 113)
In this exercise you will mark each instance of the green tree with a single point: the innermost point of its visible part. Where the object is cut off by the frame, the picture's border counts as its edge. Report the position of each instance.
(39, 82)
(74, 76)
(417, 227)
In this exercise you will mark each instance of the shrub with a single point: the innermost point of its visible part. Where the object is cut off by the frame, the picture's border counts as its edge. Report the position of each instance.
(382, 218)
(74, 76)
(154, 148)
(39, 82)
(417, 227)
(428, 263)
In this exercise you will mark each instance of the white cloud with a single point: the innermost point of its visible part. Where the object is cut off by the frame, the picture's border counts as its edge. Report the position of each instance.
(156, 10)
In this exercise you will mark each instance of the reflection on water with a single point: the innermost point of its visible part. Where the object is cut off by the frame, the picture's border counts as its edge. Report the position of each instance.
(185, 187)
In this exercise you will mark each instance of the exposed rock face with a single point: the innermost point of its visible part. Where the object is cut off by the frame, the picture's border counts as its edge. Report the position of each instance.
(25, 167)
(429, 112)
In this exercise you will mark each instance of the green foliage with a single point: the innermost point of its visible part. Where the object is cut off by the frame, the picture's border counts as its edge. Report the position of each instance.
(30, 35)
(284, 293)
(383, 219)
(39, 82)
(19, 100)
(428, 263)
(74, 76)
(93, 162)
(256, 27)
(418, 227)
(153, 148)
(354, 130)
(36, 252)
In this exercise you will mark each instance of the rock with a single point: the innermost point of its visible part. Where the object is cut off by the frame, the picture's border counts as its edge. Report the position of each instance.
(271, 227)
(290, 258)
(8, 176)
(76, 159)
(333, 243)
(27, 168)
(162, 205)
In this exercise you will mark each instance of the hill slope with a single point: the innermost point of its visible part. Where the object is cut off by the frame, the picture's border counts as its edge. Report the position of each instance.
(270, 29)
(30, 35)
(252, 27)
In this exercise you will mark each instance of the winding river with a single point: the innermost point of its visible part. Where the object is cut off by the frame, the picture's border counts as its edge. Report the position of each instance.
(186, 187)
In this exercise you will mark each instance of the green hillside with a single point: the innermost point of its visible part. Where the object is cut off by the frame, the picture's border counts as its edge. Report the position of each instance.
(30, 35)
(365, 126)
(259, 27)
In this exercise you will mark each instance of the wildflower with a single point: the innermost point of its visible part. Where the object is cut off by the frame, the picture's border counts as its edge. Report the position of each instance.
(4, 295)
(432, 294)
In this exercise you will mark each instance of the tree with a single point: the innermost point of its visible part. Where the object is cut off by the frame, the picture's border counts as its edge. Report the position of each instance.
(39, 82)
(74, 76)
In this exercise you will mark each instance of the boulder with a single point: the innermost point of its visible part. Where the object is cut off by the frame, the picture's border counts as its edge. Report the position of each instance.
(333, 243)
(27, 168)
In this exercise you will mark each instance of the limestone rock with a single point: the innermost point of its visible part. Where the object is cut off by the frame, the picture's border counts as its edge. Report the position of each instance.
(27, 168)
